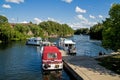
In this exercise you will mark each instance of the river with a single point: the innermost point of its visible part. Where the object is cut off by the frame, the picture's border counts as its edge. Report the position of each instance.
(88, 47)
(23, 62)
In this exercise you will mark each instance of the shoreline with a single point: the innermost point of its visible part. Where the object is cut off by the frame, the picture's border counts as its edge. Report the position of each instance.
(107, 55)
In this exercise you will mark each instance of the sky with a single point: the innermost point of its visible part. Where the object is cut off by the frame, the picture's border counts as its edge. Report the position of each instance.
(76, 13)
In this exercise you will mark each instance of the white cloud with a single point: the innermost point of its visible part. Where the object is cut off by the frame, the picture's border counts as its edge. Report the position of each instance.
(52, 19)
(24, 22)
(81, 24)
(111, 4)
(81, 17)
(37, 20)
(15, 1)
(91, 16)
(13, 19)
(100, 16)
(67, 1)
(79, 10)
(6, 6)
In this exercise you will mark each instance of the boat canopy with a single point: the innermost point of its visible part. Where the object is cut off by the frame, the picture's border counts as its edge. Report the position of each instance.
(51, 52)
(35, 38)
(67, 41)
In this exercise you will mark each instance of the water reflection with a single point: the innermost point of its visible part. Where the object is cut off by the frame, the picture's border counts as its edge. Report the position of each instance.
(52, 75)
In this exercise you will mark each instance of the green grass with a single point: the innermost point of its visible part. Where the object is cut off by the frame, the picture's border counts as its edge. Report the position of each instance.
(111, 63)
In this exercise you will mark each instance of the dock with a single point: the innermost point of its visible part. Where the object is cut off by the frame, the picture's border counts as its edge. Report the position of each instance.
(87, 68)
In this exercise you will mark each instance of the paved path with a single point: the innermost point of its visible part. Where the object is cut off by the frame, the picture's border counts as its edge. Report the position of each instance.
(63, 53)
(88, 68)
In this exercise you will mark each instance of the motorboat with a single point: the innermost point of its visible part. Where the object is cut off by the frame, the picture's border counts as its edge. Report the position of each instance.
(51, 58)
(67, 44)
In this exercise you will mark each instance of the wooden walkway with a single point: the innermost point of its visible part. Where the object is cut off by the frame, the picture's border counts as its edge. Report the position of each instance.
(87, 68)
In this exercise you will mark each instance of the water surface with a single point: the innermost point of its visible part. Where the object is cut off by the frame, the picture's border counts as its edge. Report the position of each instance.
(21, 62)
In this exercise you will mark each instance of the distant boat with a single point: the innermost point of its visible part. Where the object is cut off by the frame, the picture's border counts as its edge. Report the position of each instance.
(34, 41)
(67, 44)
(45, 43)
(51, 58)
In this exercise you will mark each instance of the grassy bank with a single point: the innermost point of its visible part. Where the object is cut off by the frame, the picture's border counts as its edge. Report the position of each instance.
(111, 62)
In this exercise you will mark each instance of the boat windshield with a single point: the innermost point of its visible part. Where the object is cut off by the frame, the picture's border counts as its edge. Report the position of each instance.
(66, 45)
(52, 55)
(70, 45)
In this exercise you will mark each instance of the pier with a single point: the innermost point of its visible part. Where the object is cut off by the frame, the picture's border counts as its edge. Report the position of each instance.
(87, 68)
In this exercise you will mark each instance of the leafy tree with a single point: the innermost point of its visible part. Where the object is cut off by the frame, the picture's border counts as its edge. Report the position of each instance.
(111, 31)
(96, 31)
(5, 29)
(6, 32)
(82, 31)
(55, 29)
(36, 30)
(22, 28)
(3, 19)
(21, 31)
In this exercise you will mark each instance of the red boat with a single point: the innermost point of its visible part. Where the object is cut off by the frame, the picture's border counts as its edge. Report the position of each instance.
(51, 58)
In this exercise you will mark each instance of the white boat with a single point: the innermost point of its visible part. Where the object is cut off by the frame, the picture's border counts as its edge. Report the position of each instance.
(68, 45)
(34, 41)
(46, 43)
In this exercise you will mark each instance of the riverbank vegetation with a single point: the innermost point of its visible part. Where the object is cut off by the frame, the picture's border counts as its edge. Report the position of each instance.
(108, 30)
(96, 31)
(111, 62)
(20, 31)
(54, 29)
(111, 29)
(84, 31)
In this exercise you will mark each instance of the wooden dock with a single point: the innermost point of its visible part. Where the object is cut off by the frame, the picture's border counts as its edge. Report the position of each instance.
(87, 68)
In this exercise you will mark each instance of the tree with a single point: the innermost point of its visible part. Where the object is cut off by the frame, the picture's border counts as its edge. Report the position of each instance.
(5, 30)
(36, 30)
(3, 19)
(115, 12)
(55, 29)
(23, 28)
(111, 31)
(82, 31)
(96, 31)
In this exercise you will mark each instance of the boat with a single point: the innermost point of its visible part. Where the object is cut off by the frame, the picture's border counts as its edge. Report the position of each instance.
(45, 43)
(34, 41)
(67, 45)
(51, 58)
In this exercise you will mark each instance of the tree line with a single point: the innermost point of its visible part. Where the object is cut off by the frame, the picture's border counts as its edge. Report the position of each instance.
(84, 31)
(19, 31)
(108, 31)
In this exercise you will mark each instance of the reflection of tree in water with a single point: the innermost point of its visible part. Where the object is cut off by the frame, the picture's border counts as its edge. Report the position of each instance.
(52, 75)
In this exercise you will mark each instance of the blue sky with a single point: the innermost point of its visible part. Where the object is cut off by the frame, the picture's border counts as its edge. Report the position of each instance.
(75, 13)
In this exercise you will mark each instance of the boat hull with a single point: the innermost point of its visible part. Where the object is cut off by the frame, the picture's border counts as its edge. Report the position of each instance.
(34, 41)
(51, 58)
(52, 66)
